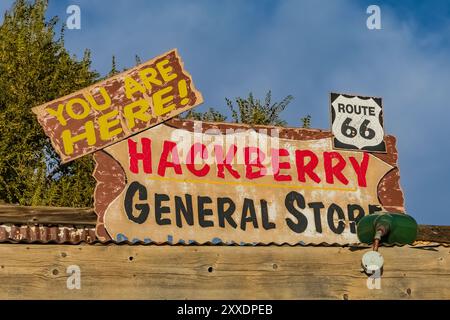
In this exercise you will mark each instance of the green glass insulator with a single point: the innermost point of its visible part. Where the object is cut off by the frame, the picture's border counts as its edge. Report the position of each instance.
(400, 228)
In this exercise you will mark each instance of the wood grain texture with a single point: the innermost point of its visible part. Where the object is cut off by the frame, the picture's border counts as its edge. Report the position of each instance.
(439, 234)
(219, 272)
(47, 215)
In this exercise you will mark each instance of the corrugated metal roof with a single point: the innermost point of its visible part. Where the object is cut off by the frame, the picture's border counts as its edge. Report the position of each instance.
(76, 235)
(46, 234)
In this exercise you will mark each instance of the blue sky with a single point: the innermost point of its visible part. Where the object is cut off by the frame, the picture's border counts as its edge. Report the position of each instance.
(303, 48)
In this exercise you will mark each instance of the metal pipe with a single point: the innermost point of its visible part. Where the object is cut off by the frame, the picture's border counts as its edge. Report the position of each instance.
(381, 231)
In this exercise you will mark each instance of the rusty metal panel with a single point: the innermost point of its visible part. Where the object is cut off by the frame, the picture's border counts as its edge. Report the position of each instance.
(107, 112)
(300, 191)
(71, 235)
(46, 234)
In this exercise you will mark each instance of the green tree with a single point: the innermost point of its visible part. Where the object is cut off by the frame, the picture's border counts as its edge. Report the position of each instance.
(114, 70)
(254, 111)
(137, 59)
(211, 115)
(34, 69)
(306, 122)
(250, 111)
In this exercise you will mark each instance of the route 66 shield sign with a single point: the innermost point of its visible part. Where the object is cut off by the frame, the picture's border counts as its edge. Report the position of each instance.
(357, 123)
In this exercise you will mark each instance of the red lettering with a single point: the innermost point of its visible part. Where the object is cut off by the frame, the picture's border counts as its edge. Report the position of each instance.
(169, 147)
(308, 168)
(225, 163)
(277, 165)
(145, 155)
(361, 169)
(257, 162)
(335, 170)
(197, 148)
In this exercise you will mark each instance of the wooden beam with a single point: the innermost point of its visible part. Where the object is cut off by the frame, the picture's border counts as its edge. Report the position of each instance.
(47, 215)
(440, 234)
(219, 272)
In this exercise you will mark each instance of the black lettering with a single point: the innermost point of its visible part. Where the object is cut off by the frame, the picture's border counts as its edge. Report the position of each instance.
(302, 221)
(160, 210)
(316, 206)
(363, 109)
(267, 225)
(349, 108)
(330, 216)
(248, 206)
(374, 208)
(202, 212)
(226, 214)
(351, 208)
(188, 212)
(341, 107)
(142, 207)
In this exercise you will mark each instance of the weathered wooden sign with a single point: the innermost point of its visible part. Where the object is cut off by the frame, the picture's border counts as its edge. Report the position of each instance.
(107, 112)
(357, 122)
(225, 183)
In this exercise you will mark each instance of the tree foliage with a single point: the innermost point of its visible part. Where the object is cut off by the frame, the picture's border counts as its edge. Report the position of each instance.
(114, 70)
(211, 115)
(306, 121)
(250, 111)
(255, 111)
(34, 69)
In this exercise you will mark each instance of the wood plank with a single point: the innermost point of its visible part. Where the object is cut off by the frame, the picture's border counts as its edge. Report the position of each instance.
(47, 215)
(219, 272)
(440, 234)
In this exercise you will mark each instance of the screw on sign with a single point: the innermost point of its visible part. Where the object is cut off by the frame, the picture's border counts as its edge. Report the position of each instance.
(357, 123)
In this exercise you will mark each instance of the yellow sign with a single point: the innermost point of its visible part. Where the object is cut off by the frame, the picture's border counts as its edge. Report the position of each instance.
(114, 109)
